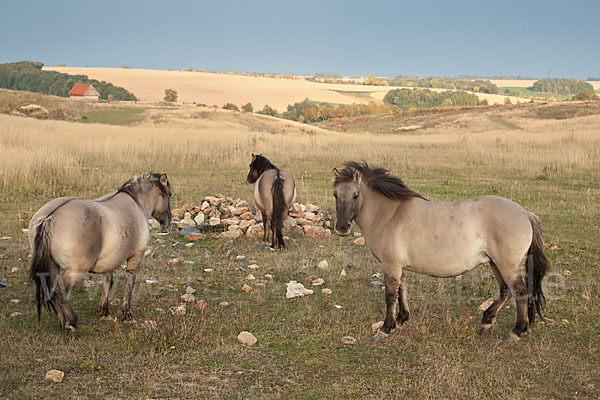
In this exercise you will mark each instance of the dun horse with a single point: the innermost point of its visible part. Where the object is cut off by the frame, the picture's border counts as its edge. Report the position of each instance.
(405, 232)
(274, 194)
(96, 236)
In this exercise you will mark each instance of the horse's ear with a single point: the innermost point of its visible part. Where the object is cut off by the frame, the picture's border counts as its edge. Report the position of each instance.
(334, 175)
(253, 156)
(357, 176)
(163, 179)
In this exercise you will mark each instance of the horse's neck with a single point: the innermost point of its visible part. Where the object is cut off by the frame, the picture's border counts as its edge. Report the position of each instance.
(141, 202)
(373, 209)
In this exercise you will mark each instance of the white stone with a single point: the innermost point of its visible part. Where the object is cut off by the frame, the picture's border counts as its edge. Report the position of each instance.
(295, 289)
(188, 298)
(247, 338)
(349, 340)
(190, 290)
(15, 314)
(199, 219)
(214, 221)
(343, 272)
(323, 264)
(318, 282)
(326, 291)
(154, 224)
(253, 266)
(376, 326)
(178, 310)
(485, 305)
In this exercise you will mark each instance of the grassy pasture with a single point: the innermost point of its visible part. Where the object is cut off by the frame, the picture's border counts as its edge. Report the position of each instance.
(550, 166)
(527, 91)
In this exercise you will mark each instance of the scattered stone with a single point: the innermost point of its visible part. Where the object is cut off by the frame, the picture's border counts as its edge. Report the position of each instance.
(250, 277)
(338, 306)
(152, 281)
(360, 241)
(214, 221)
(16, 314)
(246, 223)
(4, 282)
(246, 288)
(178, 310)
(188, 245)
(324, 265)
(201, 305)
(376, 275)
(316, 232)
(377, 284)
(55, 376)
(326, 291)
(295, 289)
(247, 338)
(318, 282)
(102, 327)
(376, 326)
(195, 236)
(208, 270)
(268, 276)
(224, 303)
(352, 266)
(255, 231)
(15, 301)
(567, 272)
(564, 321)
(174, 261)
(160, 310)
(357, 234)
(343, 272)
(240, 258)
(349, 340)
(188, 298)
(148, 252)
(253, 266)
(486, 304)
(231, 234)
(243, 269)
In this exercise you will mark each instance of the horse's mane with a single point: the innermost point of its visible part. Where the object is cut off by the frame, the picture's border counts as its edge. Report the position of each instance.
(261, 164)
(378, 179)
(130, 187)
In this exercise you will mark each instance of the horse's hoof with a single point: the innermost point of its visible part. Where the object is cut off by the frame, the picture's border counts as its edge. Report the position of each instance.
(511, 337)
(71, 329)
(380, 335)
(484, 328)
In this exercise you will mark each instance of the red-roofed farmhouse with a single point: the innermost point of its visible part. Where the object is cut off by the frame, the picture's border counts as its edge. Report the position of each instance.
(83, 91)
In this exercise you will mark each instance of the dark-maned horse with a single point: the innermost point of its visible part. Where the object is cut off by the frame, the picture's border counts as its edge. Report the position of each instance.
(95, 236)
(405, 232)
(274, 194)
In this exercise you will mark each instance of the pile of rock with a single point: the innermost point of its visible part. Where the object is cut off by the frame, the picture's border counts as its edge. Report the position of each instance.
(232, 219)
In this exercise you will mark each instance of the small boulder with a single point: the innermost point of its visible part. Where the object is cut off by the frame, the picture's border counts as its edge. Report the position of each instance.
(55, 376)
(326, 291)
(247, 338)
(323, 264)
(195, 236)
(246, 288)
(316, 232)
(199, 219)
(318, 282)
(376, 326)
(188, 298)
(360, 241)
(295, 289)
(255, 231)
(349, 340)
(231, 235)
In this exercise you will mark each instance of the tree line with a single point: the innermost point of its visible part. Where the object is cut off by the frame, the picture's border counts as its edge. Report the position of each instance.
(28, 75)
(565, 86)
(425, 98)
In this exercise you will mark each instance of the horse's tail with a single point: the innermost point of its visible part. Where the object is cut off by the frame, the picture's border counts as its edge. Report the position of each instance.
(536, 265)
(279, 208)
(44, 270)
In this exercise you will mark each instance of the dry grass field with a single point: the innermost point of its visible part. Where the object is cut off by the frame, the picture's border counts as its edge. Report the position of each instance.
(219, 89)
(542, 156)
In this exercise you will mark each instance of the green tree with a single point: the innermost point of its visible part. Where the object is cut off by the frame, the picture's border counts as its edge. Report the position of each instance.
(248, 107)
(170, 95)
(268, 110)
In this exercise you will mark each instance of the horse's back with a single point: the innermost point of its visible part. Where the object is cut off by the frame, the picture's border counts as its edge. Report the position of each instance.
(450, 238)
(263, 188)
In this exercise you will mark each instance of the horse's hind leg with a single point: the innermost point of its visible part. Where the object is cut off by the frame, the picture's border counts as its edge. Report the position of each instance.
(489, 315)
(106, 286)
(266, 226)
(404, 312)
(67, 315)
(132, 264)
(518, 290)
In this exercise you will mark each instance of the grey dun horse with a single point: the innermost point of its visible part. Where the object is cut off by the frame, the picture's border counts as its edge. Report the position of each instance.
(95, 236)
(405, 232)
(274, 194)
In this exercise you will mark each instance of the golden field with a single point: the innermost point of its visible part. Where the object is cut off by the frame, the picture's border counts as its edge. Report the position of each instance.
(218, 89)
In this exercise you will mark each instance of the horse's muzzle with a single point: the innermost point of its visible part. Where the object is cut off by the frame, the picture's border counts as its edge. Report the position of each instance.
(344, 232)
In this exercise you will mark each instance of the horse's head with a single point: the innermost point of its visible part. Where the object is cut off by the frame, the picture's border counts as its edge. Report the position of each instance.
(346, 191)
(258, 165)
(162, 210)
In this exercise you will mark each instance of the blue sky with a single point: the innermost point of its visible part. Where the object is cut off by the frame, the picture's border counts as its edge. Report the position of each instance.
(447, 38)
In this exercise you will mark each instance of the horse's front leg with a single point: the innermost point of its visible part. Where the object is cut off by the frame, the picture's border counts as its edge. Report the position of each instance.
(106, 286)
(132, 264)
(392, 283)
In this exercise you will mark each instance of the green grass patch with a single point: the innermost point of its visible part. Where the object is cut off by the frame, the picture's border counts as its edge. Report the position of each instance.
(124, 116)
(528, 92)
